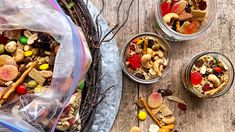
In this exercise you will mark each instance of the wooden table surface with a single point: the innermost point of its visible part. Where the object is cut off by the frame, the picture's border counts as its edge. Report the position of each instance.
(208, 115)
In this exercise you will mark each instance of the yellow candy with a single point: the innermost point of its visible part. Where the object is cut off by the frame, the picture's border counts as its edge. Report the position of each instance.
(142, 115)
(28, 53)
(44, 67)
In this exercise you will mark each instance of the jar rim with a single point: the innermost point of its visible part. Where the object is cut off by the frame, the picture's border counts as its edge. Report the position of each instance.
(228, 85)
(123, 56)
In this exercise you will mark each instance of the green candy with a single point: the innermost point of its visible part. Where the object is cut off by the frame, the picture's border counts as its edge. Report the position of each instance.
(23, 40)
(32, 84)
(81, 85)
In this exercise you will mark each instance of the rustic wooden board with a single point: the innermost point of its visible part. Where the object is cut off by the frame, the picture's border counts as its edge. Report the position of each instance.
(210, 115)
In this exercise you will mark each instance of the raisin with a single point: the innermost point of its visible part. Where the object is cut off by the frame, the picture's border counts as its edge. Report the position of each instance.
(150, 43)
(202, 5)
(165, 92)
(139, 75)
(206, 87)
(188, 10)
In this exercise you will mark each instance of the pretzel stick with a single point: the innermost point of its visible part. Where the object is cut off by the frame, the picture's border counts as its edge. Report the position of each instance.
(149, 112)
(17, 83)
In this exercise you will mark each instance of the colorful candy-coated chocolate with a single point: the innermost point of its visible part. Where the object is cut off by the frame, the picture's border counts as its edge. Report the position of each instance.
(23, 40)
(21, 90)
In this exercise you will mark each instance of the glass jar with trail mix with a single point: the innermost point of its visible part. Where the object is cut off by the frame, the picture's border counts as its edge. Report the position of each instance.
(179, 20)
(146, 58)
(208, 75)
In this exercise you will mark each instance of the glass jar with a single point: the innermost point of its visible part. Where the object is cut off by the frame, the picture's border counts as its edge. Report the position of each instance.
(164, 44)
(186, 73)
(162, 28)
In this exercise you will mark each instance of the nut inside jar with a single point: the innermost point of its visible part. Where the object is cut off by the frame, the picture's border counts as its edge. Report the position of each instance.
(146, 57)
(184, 16)
(209, 75)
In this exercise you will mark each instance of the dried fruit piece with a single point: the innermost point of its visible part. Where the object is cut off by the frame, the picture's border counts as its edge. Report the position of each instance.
(198, 13)
(135, 40)
(192, 27)
(185, 16)
(165, 8)
(165, 92)
(196, 78)
(8, 72)
(206, 87)
(185, 25)
(182, 106)
(217, 69)
(155, 100)
(179, 7)
(21, 90)
(135, 61)
(176, 99)
(7, 60)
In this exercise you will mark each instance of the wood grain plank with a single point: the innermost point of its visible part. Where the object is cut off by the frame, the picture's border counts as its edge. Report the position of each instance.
(128, 110)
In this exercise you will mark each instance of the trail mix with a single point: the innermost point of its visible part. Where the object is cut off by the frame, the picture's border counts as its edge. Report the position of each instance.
(157, 109)
(146, 58)
(209, 75)
(26, 63)
(184, 16)
(70, 120)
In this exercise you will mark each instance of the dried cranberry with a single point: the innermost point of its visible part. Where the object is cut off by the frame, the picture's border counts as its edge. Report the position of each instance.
(71, 121)
(196, 78)
(165, 8)
(202, 5)
(135, 61)
(206, 87)
(182, 106)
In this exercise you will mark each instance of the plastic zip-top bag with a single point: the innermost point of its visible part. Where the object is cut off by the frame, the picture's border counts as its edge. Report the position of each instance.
(38, 30)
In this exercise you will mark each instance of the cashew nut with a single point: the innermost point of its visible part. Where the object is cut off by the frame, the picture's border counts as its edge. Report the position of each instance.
(146, 76)
(160, 53)
(19, 55)
(152, 72)
(169, 17)
(156, 47)
(156, 66)
(145, 61)
(169, 120)
(214, 79)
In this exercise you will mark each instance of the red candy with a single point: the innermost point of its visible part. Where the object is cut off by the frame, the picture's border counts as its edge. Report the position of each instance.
(135, 61)
(21, 90)
(165, 8)
(196, 78)
(217, 69)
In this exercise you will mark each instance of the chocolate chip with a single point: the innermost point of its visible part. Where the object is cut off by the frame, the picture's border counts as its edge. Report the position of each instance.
(202, 5)
(139, 75)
